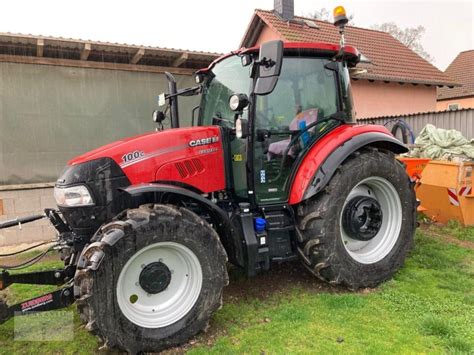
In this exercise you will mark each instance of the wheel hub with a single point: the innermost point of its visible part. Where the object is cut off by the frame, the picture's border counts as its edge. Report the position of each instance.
(155, 277)
(362, 218)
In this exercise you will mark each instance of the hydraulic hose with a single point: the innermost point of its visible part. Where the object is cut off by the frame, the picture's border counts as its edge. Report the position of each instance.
(21, 220)
(27, 263)
(29, 248)
(408, 137)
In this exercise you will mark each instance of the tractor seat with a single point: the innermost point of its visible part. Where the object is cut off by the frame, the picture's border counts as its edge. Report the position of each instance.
(303, 119)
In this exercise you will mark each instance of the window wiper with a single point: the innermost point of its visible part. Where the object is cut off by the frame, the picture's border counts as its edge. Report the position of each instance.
(218, 117)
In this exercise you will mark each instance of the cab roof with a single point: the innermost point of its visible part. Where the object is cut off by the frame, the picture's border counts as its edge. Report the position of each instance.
(320, 48)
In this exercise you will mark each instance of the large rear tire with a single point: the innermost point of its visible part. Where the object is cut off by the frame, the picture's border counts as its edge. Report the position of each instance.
(357, 232)
(159, 280)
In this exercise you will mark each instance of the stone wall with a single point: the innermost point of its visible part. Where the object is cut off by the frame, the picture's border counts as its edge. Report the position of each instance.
(15, 202)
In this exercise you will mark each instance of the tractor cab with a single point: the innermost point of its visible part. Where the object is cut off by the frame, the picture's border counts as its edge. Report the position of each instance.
(272, 121)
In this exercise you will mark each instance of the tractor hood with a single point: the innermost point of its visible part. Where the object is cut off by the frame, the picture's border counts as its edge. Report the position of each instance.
(185, 155)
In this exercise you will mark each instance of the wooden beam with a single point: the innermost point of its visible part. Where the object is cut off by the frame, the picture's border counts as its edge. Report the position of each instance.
(94, 65)
(137, 56)
(180, 60)
(85, 51)
(39, 47)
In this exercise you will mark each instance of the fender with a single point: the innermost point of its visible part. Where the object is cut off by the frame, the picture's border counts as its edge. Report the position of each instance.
(154, 193)
(327, 154)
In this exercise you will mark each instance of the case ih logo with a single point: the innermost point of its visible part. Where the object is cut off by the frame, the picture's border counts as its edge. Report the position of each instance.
(203, 141)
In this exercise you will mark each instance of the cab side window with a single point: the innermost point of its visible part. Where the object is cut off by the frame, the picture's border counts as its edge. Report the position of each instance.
(305, 94)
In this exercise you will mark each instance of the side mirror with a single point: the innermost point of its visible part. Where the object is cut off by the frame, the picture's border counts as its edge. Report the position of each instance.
(269, 67)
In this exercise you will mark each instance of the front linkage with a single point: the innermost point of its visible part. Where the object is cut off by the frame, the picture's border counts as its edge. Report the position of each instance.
(60, 298)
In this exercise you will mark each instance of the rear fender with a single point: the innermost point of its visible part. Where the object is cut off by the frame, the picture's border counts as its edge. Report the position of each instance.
(154, 193)
(323, 159)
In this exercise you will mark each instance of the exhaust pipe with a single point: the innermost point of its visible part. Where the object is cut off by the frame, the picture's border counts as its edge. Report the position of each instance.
(172, 90)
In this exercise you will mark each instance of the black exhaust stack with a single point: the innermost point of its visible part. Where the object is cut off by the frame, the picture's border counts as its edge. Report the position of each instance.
(172, 90)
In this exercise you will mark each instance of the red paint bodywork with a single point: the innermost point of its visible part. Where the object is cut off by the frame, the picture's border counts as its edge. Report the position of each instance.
(320, 151)
(167, 156)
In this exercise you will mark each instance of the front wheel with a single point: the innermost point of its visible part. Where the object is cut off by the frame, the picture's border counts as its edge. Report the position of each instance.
(358, 231)
(161, 274)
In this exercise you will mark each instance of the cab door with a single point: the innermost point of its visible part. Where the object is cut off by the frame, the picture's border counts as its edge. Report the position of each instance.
(305, 96)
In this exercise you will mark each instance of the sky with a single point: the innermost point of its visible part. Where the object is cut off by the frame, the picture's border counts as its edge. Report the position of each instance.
(218, 26)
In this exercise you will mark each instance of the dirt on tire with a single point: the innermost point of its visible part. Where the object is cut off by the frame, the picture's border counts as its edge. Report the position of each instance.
(322, 249)
(99, 269)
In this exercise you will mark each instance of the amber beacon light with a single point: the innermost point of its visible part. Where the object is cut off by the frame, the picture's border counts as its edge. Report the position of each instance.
(340, 18)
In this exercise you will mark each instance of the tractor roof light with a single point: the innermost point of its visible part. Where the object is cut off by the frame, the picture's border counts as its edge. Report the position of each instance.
(340, 18)
(199, 78)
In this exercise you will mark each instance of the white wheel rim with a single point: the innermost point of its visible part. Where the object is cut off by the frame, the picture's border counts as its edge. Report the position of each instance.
(166, 307)
(374, 250)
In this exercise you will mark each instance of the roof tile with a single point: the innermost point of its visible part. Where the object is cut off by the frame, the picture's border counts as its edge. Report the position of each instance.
(461, 69)
(390, 59)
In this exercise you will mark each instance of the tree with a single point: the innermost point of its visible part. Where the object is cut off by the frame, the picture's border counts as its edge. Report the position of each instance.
(410, 37)
(325, 15)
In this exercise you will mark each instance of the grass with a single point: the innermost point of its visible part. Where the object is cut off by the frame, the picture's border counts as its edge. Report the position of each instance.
(455, 229)
(428, 307)
(83, 342)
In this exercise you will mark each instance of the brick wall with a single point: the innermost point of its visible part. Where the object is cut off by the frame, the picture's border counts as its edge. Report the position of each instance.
(23, 202)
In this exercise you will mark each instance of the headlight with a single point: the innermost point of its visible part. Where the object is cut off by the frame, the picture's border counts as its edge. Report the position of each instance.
(238, 102)
(73, 196)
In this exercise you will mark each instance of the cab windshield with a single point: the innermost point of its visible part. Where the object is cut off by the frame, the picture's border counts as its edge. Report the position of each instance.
(227, 77)
(305, 84)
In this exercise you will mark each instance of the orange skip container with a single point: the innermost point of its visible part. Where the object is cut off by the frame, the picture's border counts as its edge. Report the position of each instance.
(414, 166)
(446, 191)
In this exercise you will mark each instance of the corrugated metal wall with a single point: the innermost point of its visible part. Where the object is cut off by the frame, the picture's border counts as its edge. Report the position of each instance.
(50, 114)
(461, 120)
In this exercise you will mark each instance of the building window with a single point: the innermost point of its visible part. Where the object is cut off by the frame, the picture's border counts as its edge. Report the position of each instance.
(453, 107)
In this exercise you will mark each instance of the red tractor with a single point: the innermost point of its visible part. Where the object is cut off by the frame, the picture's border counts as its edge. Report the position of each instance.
(273, 169)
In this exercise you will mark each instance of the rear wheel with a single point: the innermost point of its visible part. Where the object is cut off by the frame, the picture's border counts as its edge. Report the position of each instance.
(358, 231)
(159, 280)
